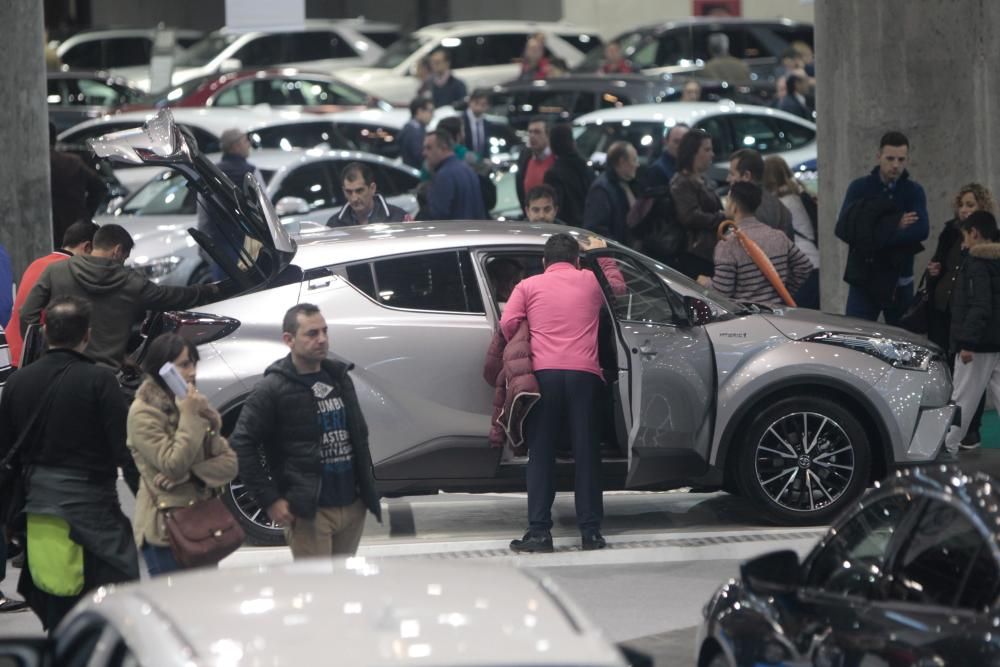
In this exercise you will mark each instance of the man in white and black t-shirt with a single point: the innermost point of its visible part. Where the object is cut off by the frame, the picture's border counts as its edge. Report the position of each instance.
(305, 419)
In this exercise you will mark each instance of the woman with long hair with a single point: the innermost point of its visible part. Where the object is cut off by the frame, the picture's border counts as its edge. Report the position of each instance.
(698, 208)
(176, 445)
(778, 180)
(943, 274)
(570, 176)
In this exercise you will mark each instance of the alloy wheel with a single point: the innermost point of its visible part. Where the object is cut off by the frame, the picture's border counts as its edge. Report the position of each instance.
(804, 461)
(249, 508)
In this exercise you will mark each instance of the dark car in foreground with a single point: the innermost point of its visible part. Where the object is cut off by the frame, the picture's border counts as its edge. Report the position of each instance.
(908, 576)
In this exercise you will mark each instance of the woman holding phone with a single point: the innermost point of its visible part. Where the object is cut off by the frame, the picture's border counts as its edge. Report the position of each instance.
(176, 445)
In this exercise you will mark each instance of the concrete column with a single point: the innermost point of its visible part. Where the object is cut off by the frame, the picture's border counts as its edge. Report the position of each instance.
(928, 68)
(26, 227)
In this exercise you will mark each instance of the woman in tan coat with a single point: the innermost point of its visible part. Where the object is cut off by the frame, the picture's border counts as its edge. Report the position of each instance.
(176, 446)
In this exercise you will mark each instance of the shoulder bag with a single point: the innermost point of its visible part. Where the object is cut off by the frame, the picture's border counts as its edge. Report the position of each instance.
(916, 317)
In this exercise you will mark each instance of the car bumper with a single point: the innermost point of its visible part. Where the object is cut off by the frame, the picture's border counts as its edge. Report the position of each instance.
(931, 429)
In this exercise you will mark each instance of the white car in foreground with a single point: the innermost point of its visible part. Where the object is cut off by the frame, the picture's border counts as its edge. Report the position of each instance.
(731, 126)
(483, 53)
(353, 612)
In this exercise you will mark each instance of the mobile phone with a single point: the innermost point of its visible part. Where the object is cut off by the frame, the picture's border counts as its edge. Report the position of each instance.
(173, 378)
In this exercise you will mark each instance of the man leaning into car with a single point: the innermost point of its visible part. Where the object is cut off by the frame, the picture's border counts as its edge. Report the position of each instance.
(302, 444)
(562, 307)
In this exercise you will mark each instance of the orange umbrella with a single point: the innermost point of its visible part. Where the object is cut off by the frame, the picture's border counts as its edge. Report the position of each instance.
(759, 258)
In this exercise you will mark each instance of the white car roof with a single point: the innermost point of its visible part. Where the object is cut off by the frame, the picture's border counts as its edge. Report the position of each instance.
(491, 27)
(395, 118)
(671, 113)
(362, 612)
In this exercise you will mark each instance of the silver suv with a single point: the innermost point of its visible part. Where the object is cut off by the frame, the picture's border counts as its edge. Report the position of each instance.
(797, 410)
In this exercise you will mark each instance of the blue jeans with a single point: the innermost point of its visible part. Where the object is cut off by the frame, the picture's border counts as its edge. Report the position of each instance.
(859, 304)
(159, 560)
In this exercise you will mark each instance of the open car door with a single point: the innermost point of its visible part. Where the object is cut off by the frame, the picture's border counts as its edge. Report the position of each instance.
(260, 247)
(670, 389)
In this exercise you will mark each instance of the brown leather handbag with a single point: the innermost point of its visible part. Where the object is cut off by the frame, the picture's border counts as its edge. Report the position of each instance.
(203, 533)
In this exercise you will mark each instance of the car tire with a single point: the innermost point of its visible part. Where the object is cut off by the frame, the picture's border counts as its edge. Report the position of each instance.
(803, 460)
(257, 526)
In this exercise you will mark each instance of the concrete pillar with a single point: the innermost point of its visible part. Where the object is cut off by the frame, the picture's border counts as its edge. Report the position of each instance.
(928, 68)
(26, 226)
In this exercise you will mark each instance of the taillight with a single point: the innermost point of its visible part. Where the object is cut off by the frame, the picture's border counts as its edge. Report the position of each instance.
(199, 327)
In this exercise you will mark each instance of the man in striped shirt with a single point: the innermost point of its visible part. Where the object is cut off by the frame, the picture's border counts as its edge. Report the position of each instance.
(736, 274)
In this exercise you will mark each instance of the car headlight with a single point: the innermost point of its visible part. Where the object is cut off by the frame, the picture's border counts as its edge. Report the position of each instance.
(900, 354)
(159, 267)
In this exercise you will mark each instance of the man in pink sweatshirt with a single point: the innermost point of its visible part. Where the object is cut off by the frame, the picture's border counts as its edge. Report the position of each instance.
(562, 307)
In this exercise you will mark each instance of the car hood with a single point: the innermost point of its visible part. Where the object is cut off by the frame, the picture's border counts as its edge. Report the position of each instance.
(797, 323)
(263, 249)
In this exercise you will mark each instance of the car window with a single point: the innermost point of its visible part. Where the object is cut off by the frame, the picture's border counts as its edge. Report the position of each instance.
(318, 45)
(301, 135)
(852, 562)
(722, 142)
(504, 270)
(755, 132)
(383, 39)
(945, 561)
(262, 51)
(317, 93)
(584, 42)
(439, 282)
(484, 50)
(793, 135)
(611, 99)
(164, 195)
(793, 33)
(312, 183)
(88, 55)
(78, 650)
(371, 137)
(207, 142)
(671, 48)
(642, 298)
(128, 51)
(646, 137)
(96, 93)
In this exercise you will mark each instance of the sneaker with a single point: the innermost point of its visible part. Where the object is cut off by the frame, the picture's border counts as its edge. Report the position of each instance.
(8, 606)
(533, 543)
(970, 441)
(592, 540)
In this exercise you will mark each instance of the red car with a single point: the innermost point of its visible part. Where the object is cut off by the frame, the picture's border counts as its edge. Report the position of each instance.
(282, 88)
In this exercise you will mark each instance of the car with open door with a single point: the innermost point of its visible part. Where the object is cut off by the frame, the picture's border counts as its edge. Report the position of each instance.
(798, 411)
(377, 612)
(908, 576)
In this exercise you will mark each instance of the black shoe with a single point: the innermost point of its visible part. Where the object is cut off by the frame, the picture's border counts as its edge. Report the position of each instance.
(593, 540)
(533, 543)
(970, 441)
(8, 606)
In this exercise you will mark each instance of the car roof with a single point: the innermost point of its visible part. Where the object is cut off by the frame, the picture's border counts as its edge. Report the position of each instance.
(585, 80)
(687, 112)
(368, 612)
(692, 21)
(211, 119)
(113, 33)
(490, 27)
(355, 244)
(308, 25)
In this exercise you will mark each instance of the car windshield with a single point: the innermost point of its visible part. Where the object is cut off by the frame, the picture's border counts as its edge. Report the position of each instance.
(167, 194)
(684, 285)
(638, 47)
(595, 139)
(400, 50)
(201, 53)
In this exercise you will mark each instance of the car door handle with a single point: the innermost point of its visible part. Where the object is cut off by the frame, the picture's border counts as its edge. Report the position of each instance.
(645, 350)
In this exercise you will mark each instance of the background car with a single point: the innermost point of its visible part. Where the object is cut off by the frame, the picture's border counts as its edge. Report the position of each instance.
(304, 187)
(483, 53)
(74, 97)
(120, 47)
(284, 88)
(681, 46)
(377, 612)
(731, 126)
(796, 410)
(320, 45)
(563, 99)
(908, 576)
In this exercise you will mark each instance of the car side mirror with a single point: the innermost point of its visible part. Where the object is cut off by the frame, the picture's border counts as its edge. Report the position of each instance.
(231, 65)
(773, 573)
(698, 311)
(291, 206)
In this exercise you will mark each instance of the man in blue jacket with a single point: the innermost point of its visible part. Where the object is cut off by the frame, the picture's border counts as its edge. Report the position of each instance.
(610, 197)
(454, 191)
(887, 186)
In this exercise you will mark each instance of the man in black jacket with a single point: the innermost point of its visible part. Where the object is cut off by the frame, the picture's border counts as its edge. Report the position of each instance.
(975, 322)
(364, 205)
(71, 414)
(610, 197)
(305, 419)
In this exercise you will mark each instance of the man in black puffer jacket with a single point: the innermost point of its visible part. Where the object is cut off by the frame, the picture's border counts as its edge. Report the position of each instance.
(975, 321)
(302, 444)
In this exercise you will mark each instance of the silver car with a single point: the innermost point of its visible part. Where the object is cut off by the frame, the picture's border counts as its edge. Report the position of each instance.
(794, 409)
